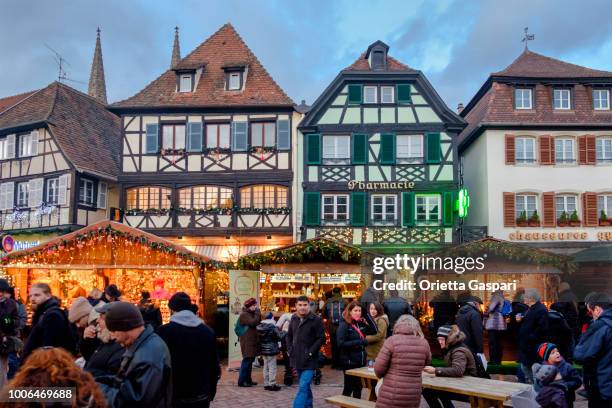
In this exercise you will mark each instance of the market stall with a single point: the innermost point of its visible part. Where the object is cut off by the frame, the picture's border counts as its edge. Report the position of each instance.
(108, 253)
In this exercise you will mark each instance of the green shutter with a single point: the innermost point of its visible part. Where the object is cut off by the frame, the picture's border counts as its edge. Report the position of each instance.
(313, 148)
(355, 94)
(359, 205)
(407, 208)
(360, 148)
(448, 207)
(387, 148)
(403, 93)
(433, 148)
(312, 209)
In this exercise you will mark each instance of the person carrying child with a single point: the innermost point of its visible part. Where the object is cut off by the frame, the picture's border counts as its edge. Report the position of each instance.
(550, 355)
(549, 385)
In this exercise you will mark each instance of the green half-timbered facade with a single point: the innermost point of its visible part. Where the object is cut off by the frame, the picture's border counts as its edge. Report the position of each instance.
(380, 165)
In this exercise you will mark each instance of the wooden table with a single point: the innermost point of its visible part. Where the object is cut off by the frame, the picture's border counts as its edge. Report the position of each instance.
(481, 391)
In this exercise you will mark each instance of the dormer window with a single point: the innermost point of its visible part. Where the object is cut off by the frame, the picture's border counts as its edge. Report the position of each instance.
(186, 83)
(376, 55)
(378, 60)
(234, 77)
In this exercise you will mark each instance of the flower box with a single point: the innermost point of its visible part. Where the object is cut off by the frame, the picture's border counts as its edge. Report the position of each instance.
(522, 223)
(575, 223)
(605, 223)
(562, 223)
(533, 223)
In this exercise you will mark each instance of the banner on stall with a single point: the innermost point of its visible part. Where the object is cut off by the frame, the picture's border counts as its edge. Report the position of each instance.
(243, 285)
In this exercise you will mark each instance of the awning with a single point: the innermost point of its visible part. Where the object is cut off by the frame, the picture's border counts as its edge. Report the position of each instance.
(227, 253)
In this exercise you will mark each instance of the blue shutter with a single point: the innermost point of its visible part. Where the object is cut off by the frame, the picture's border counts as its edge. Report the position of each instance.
(284, 135)
(194, 137)
(239, 137)
(152, 138)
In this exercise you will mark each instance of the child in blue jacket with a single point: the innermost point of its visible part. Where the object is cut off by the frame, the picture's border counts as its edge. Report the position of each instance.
(549, 353)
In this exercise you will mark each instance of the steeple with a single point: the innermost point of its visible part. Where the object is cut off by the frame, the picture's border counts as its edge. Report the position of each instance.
(176, 49)
(97, 84)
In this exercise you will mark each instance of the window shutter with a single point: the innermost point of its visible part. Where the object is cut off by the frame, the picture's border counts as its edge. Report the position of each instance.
(284, 135)
(434, 152)
(582, 150)
(313, 148)
(359, 207)
(3, 193)
(355, 94)
(589, 209)
(448, 207)
(152, 138)
(240, 142)
(591, 149)
(64, 180)
(509, 210)
(547, 150)
(387, 148)
(9, 195)
(407, 208)
(404, 93)
(34, 142)
(549, 214)
(102, 194)
(360, 148)
(194, 136)
(35, 187)
(510, 150)
(312, 208)
(10, 147)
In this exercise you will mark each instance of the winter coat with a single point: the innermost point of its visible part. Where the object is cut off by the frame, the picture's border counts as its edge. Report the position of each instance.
(193, 351)
(570, 378)
(594, 351)
(568, 306)
(105, 361)
(269, 336)
(394, 308)
(144, 378)
(351, 345)
(444, 309)
(150, 313)
(458, 358)
(371, 295)
(552, 395)
(9, 317)
(249, 341)
(495, 320)
(304, 339)
(400, 364)
(561, 334)
(533, 332)
(469, 321)
(23, 316)
(50, 327)
(375, 341)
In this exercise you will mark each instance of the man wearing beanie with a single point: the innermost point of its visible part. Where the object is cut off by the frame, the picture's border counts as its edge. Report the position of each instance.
(144, 378)
(594, 351)
(192, 345)
(9, 320)
(249, 341)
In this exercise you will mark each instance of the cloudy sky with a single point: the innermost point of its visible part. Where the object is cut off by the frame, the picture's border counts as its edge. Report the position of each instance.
(303, 44)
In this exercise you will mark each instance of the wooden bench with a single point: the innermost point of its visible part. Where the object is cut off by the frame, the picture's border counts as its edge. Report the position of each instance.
(349, 402)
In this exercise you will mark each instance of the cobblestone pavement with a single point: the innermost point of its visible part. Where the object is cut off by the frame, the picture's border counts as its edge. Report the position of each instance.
(229, 395)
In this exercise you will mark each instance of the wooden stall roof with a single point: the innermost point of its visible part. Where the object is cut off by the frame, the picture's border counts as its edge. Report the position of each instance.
(597, 254)
(105, 225)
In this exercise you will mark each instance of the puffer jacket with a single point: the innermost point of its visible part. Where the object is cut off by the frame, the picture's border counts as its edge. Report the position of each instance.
(400, 364)
(375, 341)
(458, 358)
(495, 320)
(269, 336)
(249, 341)
(351, 344)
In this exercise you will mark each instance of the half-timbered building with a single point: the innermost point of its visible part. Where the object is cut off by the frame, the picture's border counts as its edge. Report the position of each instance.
(206, 155)
(379, 159)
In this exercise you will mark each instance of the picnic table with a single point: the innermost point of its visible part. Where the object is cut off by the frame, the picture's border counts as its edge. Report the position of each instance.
(482, 392)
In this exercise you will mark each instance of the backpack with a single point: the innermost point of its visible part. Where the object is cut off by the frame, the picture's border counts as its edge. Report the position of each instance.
(506, 308)
(334, 313)
(240, 329)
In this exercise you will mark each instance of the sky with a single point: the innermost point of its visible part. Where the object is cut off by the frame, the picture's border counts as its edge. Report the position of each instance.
(303, 44)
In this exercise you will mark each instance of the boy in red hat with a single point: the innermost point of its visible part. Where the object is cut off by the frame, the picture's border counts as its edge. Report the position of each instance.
(549, 353)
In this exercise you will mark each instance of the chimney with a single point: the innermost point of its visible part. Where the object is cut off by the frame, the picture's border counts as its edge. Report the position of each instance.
(176, 49)
(460, 108)
(97, 84)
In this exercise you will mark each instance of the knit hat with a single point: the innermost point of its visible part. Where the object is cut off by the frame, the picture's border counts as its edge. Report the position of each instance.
(123, 316)
(250, 302)
(179, 301)
(444, 331)
(544, 374)
(80, 307)
(112, 291)
(545, 349)
(4, 285)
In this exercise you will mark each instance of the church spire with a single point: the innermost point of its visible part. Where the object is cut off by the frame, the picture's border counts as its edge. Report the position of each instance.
(97, 84)
(176, 49)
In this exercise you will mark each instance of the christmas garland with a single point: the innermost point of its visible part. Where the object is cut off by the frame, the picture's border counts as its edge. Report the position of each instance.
(212, 210)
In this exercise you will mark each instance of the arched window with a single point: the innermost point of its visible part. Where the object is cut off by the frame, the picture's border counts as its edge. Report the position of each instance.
(263, 196)
(205, 197)
(145, 198)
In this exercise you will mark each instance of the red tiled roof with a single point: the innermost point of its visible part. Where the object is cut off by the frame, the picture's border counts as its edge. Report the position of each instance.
(222, 49)
(9, 101)
(533, 65)
(85, 130)
(362, 64)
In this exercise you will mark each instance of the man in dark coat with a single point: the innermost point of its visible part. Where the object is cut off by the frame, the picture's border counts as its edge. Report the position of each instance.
(195, 364)
(394, 307)
(145, 376)
(594, 351)
(444, 309)
(149, 310)
(532, 333)
(249, 341)
(568, 307)
(50, 325)
(9, 322)
(469, 320)
(305, 337)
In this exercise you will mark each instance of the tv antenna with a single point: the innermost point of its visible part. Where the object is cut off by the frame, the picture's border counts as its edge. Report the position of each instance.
(61, 63)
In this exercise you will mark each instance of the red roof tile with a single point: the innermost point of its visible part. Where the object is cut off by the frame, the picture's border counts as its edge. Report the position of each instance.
(533, 65)
(362, 64)
(222, 49)
(9, 101)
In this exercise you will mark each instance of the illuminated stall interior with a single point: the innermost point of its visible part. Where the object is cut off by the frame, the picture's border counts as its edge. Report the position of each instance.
(108, 253)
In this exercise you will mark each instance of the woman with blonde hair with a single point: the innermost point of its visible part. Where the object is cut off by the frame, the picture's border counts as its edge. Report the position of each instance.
(400, 363)
(54, 367)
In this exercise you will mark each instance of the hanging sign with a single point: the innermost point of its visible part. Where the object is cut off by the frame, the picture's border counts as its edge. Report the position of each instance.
(380, 185)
